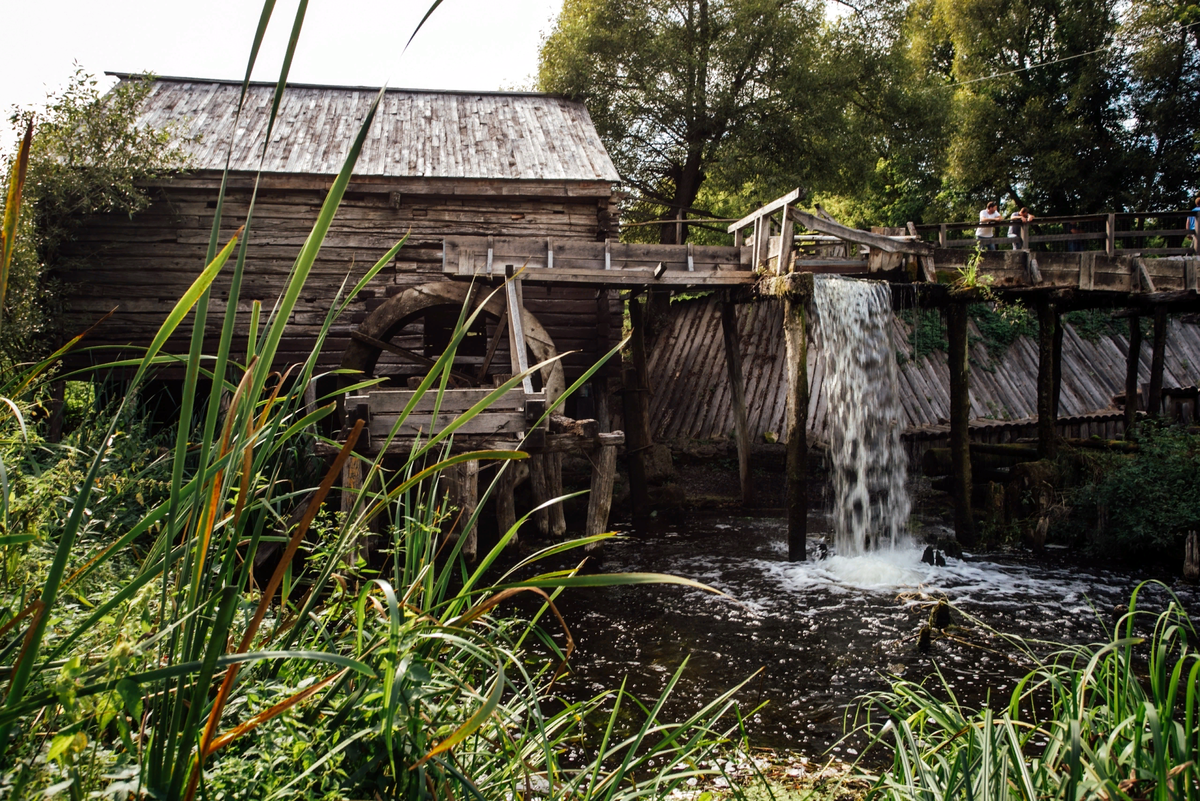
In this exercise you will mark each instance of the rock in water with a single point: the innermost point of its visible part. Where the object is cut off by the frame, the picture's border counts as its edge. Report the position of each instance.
(927, 557)
(939, 559)
(925, 640)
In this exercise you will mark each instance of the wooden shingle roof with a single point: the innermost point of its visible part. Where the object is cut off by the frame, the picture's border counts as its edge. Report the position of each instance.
(416, 133)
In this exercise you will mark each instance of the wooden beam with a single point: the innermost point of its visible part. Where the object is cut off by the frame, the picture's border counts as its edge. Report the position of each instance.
(501, 329)
(1133, 360)
(796, 424)
(770, 208)
(960, 420)
(737, 385)
(884, 243)
(1157, 357)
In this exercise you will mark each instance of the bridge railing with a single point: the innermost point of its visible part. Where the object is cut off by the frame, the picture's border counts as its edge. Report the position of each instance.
(1139, 233)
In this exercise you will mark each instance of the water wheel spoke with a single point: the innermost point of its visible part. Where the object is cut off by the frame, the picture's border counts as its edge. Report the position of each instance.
(405, 353)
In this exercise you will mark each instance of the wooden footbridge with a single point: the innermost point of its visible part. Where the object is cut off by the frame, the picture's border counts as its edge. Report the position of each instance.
(776, 252)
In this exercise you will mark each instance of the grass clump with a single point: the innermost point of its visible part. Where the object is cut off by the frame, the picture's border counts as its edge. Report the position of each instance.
(1123, 722)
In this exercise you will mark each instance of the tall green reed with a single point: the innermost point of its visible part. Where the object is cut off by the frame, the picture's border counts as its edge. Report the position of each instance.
(418, 683)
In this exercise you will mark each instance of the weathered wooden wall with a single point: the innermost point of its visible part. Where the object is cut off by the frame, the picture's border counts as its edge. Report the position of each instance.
(140, 266)
(691, 396)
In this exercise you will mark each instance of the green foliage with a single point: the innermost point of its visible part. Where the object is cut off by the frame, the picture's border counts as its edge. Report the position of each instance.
(1000, 325)
(727, 91)
(1092, 325)
(89, 156)
(926, 332)
(1121, 723)
(1138, 506)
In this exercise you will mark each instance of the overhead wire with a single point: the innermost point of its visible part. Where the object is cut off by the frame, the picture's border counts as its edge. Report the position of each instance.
(1053, 62)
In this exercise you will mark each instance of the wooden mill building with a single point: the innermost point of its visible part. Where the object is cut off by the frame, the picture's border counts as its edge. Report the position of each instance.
(435, 163)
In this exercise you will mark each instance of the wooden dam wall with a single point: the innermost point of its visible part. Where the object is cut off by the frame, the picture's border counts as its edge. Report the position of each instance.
(691, 398)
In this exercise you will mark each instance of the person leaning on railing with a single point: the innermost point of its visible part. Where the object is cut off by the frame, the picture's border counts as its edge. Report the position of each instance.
(986, 232)
(1014, 232)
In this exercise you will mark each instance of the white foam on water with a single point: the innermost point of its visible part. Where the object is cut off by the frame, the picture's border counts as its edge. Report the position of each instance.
(853, 324)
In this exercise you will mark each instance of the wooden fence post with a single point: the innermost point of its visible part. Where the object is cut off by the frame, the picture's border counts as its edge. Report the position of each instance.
(1110, 235)
(796, 342)
(960, 422)
(737, 384)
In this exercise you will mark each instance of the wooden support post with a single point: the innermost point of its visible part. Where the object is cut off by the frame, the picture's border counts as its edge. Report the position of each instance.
(960, 422)
(1133, 361)
(1110, 235)
(1056, 394)
(604, 471)
(58, 397)
(787, 230)
(506, 505)
(737, 385)
(558, 520)
(540, 483)
(352, 481)
(1045, 385)
(637, 423)
(1157, 355)
(1191, 558)
(796, 341)
(469, 499)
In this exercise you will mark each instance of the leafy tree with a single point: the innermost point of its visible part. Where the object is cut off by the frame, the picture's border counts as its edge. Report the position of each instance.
(1037, 100)
(89, 156)
(1164, 47)
(686, 92)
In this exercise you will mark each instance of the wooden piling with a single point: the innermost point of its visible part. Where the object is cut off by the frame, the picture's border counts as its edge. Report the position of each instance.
(733, 368)
(1056, 393)
(1133, 360)
(1154, 396)
(506, 505)
(1047, 322)
(604, 471)
(540, 484)
(960, 419)
(558, 520)
(796, 341)
(637, 418)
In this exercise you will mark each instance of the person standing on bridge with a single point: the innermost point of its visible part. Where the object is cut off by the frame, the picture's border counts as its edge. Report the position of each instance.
(986, 232)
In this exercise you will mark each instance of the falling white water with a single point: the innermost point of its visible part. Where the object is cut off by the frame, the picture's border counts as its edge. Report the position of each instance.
(853, 325)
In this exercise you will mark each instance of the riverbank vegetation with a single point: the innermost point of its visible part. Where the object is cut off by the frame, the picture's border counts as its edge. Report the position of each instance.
(1112, 720)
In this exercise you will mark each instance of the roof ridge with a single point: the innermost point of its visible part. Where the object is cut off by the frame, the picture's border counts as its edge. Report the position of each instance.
(125, 76)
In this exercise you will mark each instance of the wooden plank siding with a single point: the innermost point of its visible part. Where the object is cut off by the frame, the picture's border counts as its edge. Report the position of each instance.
(691, 399)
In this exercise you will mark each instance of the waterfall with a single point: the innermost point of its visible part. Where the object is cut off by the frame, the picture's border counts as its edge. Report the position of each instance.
(853, 329)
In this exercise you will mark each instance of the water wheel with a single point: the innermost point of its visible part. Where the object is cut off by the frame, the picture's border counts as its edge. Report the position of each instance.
(402, 338)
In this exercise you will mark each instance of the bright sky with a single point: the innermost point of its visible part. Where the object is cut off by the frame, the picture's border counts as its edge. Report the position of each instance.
(466, 44)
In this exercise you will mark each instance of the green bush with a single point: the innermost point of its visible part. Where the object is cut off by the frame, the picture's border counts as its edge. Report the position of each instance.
(1140, 505)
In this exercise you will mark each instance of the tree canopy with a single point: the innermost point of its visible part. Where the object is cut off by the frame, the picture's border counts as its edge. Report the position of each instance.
(900, 110)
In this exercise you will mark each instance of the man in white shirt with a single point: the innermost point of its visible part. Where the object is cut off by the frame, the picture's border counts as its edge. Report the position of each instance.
(986, 232)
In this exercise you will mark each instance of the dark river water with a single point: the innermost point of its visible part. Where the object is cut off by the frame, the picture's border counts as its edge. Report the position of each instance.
(822, 632)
